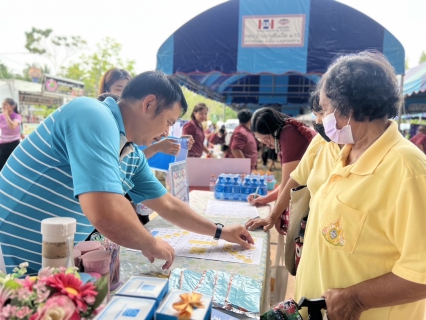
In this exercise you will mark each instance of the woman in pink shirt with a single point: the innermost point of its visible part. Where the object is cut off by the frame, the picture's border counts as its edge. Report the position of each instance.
(10, 132)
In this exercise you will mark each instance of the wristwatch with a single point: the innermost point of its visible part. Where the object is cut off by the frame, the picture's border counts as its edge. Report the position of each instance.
(218, 231)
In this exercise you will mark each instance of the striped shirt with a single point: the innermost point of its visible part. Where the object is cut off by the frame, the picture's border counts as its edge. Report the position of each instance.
(75, 150)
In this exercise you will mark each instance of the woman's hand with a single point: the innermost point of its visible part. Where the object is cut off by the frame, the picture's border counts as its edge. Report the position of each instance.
(191, 140)
(169, 146)
(278, 224)
(256, 200)
(266, 223)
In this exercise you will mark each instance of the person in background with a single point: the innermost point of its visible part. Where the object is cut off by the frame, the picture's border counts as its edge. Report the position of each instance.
(81, 167)
(243, 143)
(195, 129)
(114, 81)
(420, 138)
(312, 171)
(10, 129)
(364, 249)
(288, 137)
(210, 130)
(217, 138)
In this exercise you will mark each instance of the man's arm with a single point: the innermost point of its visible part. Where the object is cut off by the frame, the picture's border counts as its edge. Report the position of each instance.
(384, 291)
(113, 216)
(178, 213)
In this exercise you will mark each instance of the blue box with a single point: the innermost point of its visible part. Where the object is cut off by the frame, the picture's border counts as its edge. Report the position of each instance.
(160, 161)
(167, 312)
(145, 287)
(127, 308)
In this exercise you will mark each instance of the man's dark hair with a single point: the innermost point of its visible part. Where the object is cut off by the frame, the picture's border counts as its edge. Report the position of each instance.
(244, 116)
(164, 87)
(222, 130)
(365, 83)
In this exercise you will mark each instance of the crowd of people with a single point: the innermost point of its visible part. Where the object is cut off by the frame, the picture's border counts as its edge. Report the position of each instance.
(363, 249)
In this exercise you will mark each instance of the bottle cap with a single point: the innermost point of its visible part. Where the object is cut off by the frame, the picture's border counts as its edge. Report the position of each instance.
(58, 226)
(97, 261)
(86, 246)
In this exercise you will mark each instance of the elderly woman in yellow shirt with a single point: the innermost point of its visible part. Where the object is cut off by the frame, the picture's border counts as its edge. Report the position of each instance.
(364, 249)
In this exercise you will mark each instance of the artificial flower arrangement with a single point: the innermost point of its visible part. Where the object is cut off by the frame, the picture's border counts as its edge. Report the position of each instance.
(57, 294)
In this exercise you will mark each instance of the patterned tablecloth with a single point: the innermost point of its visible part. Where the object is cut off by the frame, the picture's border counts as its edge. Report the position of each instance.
(198, 202)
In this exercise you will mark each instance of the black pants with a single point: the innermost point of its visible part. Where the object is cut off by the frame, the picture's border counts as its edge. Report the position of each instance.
(6, 150)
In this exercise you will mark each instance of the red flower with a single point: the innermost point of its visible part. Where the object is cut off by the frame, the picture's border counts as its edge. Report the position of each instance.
(70, 286)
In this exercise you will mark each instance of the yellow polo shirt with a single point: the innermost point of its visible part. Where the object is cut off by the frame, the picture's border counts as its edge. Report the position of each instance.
(367, 220)
(316, 164)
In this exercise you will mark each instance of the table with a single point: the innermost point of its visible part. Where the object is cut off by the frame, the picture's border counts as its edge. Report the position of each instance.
(198, 202)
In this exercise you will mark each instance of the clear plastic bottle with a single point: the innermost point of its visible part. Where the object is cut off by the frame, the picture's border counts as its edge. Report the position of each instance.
(245, 189)
(236, 189)
(212, 182)
(254, 184)
(227, 192)
(263, 188)
(219, 188)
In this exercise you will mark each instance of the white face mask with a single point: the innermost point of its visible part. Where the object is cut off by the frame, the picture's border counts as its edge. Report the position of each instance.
(342, 136)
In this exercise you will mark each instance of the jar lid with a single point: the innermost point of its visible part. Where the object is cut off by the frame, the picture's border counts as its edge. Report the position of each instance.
(58, 226)
(96, 259)
(77, 253)
(86, 246)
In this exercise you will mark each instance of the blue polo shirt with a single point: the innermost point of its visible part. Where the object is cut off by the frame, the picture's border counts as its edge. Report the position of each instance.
(74, 151)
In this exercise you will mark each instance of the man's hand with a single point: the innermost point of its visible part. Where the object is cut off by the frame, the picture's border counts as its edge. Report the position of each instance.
(160, 250)
(237, 234)
(256, 200)
(191, 140)
(266, 223)
(342, 305)
(169, 146)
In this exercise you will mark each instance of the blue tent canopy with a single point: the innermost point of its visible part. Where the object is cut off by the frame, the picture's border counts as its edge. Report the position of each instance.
(269, 52)
(415, 89)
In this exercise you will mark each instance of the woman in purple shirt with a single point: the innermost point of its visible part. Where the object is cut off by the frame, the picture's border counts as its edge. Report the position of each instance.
(195, 129)
(10, 131)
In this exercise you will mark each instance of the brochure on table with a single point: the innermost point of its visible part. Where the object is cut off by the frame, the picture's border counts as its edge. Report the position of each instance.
(178, 179)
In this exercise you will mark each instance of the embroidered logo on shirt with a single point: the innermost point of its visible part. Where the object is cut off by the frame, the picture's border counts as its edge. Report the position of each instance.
(333, 234)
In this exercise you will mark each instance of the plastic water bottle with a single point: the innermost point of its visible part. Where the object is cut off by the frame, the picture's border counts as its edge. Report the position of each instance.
(219, 188)
(263, 188)
(245, 189)
(254, 184)
(212, 182)
(236, 189)
(228, 189)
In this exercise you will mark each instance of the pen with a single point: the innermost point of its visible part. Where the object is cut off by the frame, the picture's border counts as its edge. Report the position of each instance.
(256, 194)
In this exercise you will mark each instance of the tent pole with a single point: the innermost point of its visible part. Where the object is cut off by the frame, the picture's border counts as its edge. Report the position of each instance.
(402, 102)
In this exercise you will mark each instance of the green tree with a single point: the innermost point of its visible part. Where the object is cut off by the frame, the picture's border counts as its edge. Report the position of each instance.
(6, 73)
(57, 49)
(90, 68)
(215, 107)
(422, 57)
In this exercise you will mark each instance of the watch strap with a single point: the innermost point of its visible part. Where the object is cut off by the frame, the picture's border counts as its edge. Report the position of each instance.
(218, 231)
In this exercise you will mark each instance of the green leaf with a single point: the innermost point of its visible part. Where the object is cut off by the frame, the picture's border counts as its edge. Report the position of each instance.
(102, 287)
(12, 285)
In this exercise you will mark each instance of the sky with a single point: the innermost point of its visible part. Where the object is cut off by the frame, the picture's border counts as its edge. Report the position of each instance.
(141, 26)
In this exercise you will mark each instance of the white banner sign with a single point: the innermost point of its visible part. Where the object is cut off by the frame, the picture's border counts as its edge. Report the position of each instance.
(274, 31)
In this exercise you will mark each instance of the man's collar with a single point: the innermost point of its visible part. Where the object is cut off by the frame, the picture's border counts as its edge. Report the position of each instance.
(372, 157)
(115, 109)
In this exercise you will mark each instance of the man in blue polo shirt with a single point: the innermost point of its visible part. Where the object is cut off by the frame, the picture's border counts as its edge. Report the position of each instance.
(81, 161)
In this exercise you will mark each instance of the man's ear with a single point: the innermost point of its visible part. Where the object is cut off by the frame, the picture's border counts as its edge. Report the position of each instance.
(148, 103)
